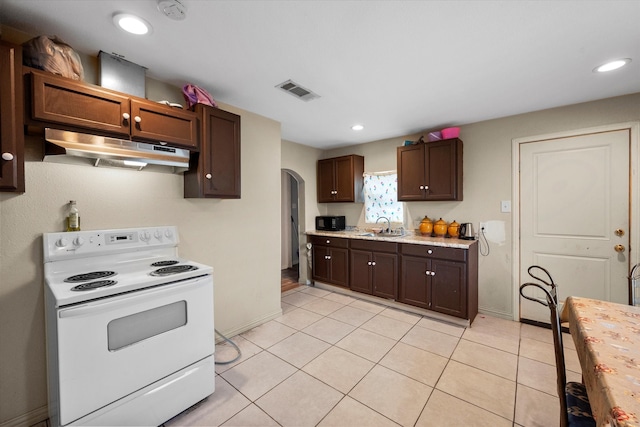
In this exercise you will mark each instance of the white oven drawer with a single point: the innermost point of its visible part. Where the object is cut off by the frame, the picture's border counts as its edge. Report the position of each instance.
(110, 348)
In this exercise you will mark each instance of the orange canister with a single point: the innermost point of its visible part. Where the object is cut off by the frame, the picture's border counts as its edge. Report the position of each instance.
(440, 228)
(426, 226)
(454, 229)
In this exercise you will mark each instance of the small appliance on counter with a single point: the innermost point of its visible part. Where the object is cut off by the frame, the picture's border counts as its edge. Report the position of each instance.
(330, 223)
(466, 231)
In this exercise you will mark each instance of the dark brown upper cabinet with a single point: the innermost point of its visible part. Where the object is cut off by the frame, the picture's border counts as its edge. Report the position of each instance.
(430, 171)
(74, 105)
(214, 172)
(340, 179)
(11, 119)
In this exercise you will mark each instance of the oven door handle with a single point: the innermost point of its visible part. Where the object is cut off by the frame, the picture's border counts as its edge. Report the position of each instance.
(123, 300)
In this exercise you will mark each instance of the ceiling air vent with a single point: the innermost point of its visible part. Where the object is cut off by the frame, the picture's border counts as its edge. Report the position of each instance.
(298, 91)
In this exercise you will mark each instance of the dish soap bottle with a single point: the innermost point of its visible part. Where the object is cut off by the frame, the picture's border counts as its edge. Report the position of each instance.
(73, 219)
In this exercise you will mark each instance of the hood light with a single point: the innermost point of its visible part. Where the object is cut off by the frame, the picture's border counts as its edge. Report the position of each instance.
(132, 24)
(612, 65)
(134, 163)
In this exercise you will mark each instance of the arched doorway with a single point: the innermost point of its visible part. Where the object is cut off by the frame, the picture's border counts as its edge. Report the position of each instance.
(293, 254)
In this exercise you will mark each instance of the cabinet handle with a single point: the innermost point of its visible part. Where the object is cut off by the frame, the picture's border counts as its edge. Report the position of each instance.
(373, 263)
(328, 241)
(369, 263)
(427, 272)
(126, 116)
(422, 187)
(208, 176)
(137, 119)
(7, 156)
(329, 257)
(433, 273)
(426, 187)
(429, 251)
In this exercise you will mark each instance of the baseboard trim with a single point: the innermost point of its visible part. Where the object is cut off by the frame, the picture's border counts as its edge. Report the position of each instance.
(31, 418)
(244, 328)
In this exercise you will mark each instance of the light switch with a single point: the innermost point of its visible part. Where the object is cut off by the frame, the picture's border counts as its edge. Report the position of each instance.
(505, 206)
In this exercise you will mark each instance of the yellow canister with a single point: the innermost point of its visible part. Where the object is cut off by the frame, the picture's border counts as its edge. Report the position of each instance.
(440, 228)
(426, 226)
(454, 229)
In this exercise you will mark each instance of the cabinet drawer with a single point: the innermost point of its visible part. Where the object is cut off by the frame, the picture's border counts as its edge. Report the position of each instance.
(368, 245)
(454, 254)
(334, 242)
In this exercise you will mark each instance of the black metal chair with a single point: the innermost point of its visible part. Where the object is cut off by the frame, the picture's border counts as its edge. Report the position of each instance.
(574, 403)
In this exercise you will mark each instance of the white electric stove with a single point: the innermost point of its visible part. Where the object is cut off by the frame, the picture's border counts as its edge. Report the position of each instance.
(130, 329)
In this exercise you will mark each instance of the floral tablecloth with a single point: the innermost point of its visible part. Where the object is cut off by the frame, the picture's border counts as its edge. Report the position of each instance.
(607, 338)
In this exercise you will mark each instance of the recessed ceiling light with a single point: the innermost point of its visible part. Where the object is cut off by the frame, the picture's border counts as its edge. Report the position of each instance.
(612, 65)
(357, 127)
(131, 23)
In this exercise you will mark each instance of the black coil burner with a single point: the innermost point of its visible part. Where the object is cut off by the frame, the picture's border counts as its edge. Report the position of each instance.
(174, 269)
(94, 285)
(164, 263)
(85, 277)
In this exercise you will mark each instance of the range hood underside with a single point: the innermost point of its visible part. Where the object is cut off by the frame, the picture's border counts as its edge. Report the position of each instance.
(62, 144)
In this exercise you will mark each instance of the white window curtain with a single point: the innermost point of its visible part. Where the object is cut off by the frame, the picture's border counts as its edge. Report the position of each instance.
(381, 196)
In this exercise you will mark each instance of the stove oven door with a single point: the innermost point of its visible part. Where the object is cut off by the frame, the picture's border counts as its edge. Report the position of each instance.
(112, 347)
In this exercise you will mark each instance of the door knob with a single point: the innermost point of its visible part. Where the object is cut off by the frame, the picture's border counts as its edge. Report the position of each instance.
(619, 248)
(7, 156)
(619, 232)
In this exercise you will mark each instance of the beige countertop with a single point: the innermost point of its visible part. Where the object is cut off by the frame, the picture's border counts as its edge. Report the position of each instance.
(410, 238)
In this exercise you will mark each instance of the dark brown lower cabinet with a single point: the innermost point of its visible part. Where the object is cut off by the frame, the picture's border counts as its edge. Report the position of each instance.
(436, 278)
(440, 279)
(330, 260)
(374, 273)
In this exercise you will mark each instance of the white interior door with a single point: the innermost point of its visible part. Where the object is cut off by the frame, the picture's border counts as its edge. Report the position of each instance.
(574, 216)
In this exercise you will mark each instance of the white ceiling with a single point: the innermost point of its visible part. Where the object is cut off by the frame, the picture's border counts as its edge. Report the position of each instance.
(397, 67)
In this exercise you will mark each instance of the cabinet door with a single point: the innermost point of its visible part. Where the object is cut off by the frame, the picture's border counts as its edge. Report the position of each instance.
(215, 171)
(443, 160)
(448, 288)
(411, 172)
(320, 266)
(11, 119)
(344, 176)
(69, 102)
(361, 271)
(326, 173)
(414, 287)
(339, 265)
(157, 122)
(385, 275)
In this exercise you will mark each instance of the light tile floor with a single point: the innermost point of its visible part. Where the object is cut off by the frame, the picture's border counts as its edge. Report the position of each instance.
(333, 360)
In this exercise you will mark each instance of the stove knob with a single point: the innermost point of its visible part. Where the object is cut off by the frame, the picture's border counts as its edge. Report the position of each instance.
(145, 236)
(78, 241)
(62, 242)
(158, 235)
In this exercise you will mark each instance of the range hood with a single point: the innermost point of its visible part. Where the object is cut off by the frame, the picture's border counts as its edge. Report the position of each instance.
(112, 151)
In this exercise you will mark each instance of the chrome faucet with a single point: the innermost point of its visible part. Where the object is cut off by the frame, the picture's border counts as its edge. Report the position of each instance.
(388, 223)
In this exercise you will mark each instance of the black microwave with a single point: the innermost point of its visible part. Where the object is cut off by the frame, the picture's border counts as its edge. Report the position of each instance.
(330, 223)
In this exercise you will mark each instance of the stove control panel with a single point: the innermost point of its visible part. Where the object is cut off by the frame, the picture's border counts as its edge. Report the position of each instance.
(77, 244)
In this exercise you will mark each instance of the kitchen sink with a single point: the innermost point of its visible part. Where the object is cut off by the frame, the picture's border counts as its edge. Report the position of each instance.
(384, 234)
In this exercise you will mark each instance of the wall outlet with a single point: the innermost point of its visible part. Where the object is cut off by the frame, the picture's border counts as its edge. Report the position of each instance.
(482, 225)
(505, 206)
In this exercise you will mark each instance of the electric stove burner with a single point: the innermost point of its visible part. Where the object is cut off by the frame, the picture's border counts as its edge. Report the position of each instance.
(94, 285)
(164, 263)
(174, 269)
(89, 276)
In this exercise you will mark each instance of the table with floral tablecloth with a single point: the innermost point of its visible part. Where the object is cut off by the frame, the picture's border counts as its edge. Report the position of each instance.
(607, 338)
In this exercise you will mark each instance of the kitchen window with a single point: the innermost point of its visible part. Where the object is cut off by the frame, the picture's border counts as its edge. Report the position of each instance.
(381, 196)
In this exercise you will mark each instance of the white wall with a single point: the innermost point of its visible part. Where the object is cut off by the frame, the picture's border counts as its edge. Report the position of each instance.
(487, 179)
(300, 161)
